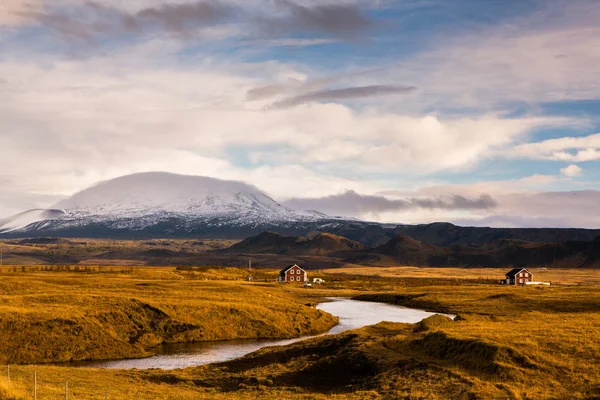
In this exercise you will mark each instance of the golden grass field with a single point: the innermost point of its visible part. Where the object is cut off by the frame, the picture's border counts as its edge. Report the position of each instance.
(507, 342)
(62, 316)
(561, 276)
(108, 252)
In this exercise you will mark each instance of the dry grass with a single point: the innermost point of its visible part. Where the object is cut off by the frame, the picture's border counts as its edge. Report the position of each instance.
(61, 316)
(507, 343)
(103, 251)
(556, 276)
(11, 390)
(551, 335)
(92, 384)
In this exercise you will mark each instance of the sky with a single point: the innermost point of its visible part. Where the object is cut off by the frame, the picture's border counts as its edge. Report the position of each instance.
(476, 112)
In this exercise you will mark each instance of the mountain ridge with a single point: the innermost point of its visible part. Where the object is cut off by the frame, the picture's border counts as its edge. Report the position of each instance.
(158, 204)
(404, 250)
(315, 243)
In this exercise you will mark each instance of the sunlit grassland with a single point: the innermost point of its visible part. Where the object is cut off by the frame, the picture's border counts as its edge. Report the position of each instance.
(545, 340)
(562, 276)
(507, 342)
(60, 316)
(84, 252)
(11, 390)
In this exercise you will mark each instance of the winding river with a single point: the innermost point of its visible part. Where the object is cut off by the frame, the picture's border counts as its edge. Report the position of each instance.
(352, 314)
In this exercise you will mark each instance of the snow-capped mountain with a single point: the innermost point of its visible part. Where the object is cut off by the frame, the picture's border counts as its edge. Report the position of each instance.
(27, 218)
(160, 203)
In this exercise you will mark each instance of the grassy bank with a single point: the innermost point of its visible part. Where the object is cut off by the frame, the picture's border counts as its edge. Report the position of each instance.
(543, 340)
(506, 343)
(62, 316)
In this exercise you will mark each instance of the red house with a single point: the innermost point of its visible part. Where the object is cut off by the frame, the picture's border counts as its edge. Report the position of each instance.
(518, 276)
(292, 273)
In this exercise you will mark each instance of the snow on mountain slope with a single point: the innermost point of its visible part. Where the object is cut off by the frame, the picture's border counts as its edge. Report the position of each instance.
(140, 201)
(157, 190)
(27, 218)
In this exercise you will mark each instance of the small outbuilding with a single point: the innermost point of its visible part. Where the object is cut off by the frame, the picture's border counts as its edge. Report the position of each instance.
(292, 273)
(518, 276)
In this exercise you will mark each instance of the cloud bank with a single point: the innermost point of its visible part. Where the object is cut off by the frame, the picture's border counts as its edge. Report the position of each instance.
(93, 20)
(353, 204)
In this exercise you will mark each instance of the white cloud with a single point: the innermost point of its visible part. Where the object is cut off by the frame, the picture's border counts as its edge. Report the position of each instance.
(571, 171)
(570, 149)
(68, 124)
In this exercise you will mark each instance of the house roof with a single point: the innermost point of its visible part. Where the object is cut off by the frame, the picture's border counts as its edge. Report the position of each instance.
(283, 271)
(513, 272)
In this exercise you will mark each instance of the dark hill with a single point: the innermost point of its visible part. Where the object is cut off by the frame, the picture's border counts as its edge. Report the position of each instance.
(368, 234)
(45, 240)
(267, 243)
(327, 243)
(401, 244)
(402, 250)
(446, 234)
(316, 244)
(592, 258)
(405, 250)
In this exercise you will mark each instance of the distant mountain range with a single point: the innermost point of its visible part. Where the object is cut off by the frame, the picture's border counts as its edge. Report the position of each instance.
(163, 205)
(404, 250)
(316, 250)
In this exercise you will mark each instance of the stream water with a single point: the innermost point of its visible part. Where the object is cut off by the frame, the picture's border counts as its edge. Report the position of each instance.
(352, 314)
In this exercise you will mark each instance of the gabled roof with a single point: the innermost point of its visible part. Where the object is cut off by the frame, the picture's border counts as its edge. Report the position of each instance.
(513, 272)
(283, 271)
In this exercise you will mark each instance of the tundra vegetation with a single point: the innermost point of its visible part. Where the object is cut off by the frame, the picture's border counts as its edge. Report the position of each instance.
(506, 342)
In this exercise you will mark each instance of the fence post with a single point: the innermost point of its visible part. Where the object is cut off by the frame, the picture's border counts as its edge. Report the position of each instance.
(67, 390)
(35, 385)
(8, 375)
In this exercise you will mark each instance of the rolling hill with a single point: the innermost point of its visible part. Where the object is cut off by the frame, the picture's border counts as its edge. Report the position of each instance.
(404, 250)
(316, 243)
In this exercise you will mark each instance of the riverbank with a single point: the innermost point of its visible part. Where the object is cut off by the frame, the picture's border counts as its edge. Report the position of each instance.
(352, 314)
(66, 316)
(506, 343)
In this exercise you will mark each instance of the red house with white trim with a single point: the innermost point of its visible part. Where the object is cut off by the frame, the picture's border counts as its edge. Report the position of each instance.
(292, 273)
(518, 276)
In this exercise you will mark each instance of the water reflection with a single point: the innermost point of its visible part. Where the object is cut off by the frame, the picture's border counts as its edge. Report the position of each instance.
(352, 314)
